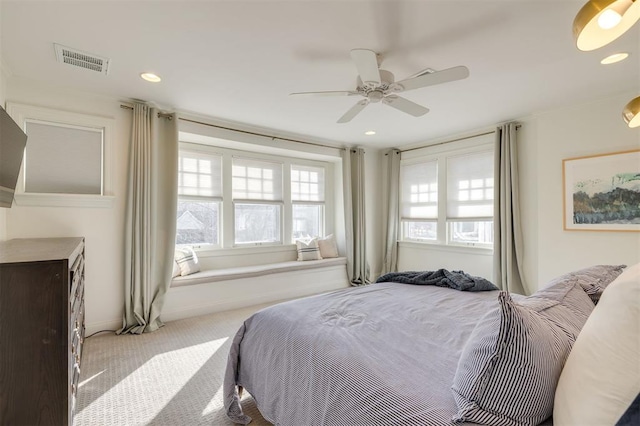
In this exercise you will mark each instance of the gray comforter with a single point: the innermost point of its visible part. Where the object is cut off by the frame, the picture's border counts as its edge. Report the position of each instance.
(383, 354)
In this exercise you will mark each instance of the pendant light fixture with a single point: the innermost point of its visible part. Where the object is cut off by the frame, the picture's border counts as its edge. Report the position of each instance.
(599, 22)
(631, 111)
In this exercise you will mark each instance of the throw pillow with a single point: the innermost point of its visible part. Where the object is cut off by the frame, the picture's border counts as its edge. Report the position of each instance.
(308, 250)
(509, 368)
(564, 303)
(176, 269)
(593, 279)
(328, 246)
(187, 261)
(601, 377)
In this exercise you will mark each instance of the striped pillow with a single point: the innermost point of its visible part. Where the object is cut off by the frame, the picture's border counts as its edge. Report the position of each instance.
(509, 368)
(564, 303)
(593, 279)
(187, 261)
(308, 250)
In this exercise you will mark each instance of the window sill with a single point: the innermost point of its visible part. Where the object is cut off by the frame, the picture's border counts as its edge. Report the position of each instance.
(229, 274)
(481, 251)
(64, 200)
(240, 251)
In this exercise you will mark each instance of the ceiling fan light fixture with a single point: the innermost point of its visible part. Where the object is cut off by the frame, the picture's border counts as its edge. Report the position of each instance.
(599, 22)
(631, 113)
(370, 132)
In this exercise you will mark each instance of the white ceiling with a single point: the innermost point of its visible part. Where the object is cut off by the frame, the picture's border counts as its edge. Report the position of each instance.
(238, 60)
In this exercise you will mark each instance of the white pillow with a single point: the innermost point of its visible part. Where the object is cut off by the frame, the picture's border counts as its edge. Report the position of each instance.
(187, 261)
(328, 246)
(308, 250)
(176, 269)
(602, 374)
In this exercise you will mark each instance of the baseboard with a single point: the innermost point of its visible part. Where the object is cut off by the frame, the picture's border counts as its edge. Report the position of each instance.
(102, 325)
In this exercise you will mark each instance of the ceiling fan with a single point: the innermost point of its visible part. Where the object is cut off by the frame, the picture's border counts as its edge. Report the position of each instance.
(377, 85)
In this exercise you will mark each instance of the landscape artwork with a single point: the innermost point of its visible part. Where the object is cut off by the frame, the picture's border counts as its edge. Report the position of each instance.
(602, 192)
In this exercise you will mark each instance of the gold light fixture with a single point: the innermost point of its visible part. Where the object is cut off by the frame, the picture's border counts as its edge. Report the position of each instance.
(599, 22)
(631, 113)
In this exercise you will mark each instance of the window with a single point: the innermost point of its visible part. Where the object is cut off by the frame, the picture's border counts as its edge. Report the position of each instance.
(447, 197)
(199, 199)
(257, 201)
(470, 199)
(420, 201)
(68, 158)
(229, 198)
(307, 197)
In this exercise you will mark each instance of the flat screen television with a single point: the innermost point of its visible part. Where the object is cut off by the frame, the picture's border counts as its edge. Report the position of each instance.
(12, 143)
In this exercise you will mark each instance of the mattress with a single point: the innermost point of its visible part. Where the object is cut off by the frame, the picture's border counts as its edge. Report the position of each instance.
(376, 355)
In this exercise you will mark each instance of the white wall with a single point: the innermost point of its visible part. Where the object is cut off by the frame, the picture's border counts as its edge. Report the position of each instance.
(103, 228)
(545, 140)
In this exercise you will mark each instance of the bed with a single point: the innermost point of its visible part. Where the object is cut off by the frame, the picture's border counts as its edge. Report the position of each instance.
(382, 354)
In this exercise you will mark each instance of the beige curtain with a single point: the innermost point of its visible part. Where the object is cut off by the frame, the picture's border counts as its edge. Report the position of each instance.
(508, 245)
(355, 223)
(391, 199)
(150, 218)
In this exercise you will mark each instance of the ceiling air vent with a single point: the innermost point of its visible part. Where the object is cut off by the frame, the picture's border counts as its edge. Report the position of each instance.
(78, 58)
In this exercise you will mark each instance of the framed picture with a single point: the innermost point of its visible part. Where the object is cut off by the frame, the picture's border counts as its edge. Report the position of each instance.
(602, 192)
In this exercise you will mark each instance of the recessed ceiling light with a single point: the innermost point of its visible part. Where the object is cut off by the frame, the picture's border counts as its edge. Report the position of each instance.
(616, 57)
(149, 76)
(370, 132)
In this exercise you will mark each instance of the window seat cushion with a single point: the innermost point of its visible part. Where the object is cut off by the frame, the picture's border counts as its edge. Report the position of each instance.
(213, 275)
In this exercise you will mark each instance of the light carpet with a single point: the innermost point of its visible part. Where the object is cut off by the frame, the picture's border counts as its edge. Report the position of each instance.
(169, 377)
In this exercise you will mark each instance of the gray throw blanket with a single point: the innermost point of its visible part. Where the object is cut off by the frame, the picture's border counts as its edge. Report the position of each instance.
(457, 280)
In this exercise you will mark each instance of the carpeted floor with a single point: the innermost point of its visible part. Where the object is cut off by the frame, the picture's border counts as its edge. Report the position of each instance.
(170, 377)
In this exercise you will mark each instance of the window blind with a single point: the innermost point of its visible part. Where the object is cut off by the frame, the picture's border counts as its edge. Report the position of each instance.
(307, 183)
(470, 186)
(200, 175)
(256, 180)
(420, 190)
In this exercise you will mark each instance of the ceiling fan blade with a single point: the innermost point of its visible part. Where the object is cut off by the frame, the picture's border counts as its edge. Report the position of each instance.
(431, 79)
(329, 93)
(355, 110)
(367, 65)
(405, 105)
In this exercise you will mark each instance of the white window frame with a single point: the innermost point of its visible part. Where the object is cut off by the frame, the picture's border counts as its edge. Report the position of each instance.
(212, 199)
(278, 203)
(441, 153)
(227, 211)
(23, 114)
(322, 203)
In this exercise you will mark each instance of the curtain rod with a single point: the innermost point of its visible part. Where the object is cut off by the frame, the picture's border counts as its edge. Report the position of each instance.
(273, 138)
(455, 140)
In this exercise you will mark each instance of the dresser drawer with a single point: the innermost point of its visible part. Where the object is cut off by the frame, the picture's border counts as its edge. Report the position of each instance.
(76, 277)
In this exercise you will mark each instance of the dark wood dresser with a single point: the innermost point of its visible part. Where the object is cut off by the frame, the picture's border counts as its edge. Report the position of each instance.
(41, 329)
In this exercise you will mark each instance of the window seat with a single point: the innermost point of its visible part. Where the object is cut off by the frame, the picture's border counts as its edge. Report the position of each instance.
(213, 275)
